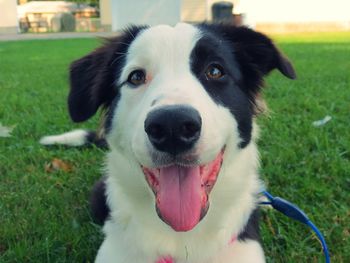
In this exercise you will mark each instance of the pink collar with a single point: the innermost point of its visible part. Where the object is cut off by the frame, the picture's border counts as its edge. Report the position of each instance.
(165, 260)
(169, 259)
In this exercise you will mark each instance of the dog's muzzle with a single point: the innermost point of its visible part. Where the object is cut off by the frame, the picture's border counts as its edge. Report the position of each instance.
(181, 188)
(173, 129)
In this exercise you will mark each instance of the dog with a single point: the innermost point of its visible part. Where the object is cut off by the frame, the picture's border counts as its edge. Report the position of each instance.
(181, 181)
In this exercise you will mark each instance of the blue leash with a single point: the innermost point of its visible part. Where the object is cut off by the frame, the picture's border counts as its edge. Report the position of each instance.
(294, 212)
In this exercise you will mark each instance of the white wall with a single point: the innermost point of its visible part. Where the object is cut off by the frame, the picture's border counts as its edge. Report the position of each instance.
(8, 16)
(106, 13)
(193, 10)
(150, 12)
(296, 10)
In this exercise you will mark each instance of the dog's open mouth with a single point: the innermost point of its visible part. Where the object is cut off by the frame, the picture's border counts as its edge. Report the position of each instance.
(182, 191)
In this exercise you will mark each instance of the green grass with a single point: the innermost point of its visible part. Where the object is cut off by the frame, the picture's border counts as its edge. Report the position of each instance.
(44, 216)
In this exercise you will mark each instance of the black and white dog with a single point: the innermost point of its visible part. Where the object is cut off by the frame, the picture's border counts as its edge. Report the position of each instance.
(181, 175)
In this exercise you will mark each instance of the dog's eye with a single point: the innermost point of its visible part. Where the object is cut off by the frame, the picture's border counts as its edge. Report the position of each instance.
(214, 71)
(137, 77)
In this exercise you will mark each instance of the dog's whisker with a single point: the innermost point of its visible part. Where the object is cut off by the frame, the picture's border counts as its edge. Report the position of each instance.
(129, 31)
(117, 59)
(123, 43)
(120, 53)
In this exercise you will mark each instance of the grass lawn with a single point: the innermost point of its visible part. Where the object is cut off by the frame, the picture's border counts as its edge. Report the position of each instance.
(44, 215)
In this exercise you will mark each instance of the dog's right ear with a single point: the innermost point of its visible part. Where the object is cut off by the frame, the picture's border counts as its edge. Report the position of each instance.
(93, 77)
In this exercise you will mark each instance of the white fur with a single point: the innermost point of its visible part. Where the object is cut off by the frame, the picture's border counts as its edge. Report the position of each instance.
(134, 232)
(72, 138)
(242, 252)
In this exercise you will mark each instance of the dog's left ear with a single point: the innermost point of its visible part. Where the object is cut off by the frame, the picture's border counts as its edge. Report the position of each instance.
(256, 52)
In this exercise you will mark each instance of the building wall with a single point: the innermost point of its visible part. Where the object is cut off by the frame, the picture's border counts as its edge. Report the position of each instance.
(297, 15)
(268, 15)
(297, 10)
(155, 11)
(150, 12)
(193, 10)
(106, 14)
(8, 16)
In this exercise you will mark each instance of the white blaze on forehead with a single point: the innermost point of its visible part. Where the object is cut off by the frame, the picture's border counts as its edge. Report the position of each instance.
(161, 48)
(164, 53)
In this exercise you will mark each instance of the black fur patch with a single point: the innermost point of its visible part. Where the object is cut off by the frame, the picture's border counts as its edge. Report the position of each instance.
(246, 57)
(92, 78)
(225, 91)
(98, 141)
(251, 230)
(98, 202)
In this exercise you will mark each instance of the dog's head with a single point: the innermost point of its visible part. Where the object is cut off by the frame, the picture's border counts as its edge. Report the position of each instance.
(178, 100)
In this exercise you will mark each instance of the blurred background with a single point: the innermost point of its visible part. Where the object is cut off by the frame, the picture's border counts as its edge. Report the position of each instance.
(305, 138)
(271, 16)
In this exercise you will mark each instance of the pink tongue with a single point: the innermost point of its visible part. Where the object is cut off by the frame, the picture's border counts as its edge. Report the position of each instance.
(179, 196)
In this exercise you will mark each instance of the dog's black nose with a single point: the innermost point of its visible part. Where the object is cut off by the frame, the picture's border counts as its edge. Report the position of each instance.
(173, 129)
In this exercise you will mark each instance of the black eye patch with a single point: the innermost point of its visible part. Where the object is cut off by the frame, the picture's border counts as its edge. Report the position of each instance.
(214, 65)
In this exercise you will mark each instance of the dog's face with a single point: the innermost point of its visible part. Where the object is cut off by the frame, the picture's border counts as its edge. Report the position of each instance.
(178, 99)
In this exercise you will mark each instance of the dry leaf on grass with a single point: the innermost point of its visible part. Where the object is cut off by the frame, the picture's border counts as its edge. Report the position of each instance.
(5, 131)
(58, 165)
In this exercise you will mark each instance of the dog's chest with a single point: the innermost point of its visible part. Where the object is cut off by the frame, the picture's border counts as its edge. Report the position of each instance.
(238, 252)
